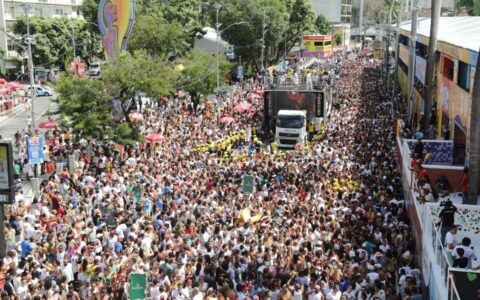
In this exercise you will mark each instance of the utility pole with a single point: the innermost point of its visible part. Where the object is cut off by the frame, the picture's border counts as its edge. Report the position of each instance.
(28, 40)
(432, 49)
(263, 41)
(387, 46)
(397, 49)
(73, 42)
(411, 67)
(474, 152)
(217, 26)
(360, 24)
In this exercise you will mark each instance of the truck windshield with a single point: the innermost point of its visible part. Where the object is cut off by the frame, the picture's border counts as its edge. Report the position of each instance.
(290, 121)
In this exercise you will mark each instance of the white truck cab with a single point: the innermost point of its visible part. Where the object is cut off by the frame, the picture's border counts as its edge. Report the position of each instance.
(291, 128)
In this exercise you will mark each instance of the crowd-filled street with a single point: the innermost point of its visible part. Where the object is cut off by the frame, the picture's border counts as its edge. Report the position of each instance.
(324, 222)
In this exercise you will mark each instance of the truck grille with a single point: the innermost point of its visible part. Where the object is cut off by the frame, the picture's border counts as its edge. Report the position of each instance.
(288, 142)
(284, 134)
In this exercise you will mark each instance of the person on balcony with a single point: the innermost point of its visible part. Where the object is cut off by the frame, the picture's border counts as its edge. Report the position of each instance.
(460, 260)
(451, 238)
(464, 183)
(468, 252)
(447, 219)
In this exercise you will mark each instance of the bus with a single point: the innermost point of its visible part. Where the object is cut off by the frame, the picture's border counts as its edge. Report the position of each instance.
(317, 45)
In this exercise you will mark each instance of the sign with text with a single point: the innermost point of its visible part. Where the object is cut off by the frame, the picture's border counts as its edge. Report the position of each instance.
(35, 150)
(7, 181)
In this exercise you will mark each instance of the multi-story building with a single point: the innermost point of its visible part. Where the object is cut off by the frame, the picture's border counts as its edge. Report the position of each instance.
(337, 12)
(10, 10)
(455, 63)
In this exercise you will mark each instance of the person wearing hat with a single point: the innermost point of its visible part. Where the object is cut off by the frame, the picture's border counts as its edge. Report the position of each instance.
(447, 219)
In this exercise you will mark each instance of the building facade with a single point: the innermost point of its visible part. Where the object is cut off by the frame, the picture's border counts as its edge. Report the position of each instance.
(456, 59)
(10, 10)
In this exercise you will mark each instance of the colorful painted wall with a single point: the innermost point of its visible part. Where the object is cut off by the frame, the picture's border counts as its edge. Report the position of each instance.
(451, 99)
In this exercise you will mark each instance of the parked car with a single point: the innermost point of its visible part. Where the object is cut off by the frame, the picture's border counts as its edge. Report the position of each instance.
(40, 90)
(94, 69)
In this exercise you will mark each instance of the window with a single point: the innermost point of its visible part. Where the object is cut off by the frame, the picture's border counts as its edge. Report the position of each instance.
(318, 44)
(464, 75)
(422, 50)
(403, 66)
(448, 68)
(38, 11)
(59, 12)
(327, 43)
(10, 45)
(404, 40)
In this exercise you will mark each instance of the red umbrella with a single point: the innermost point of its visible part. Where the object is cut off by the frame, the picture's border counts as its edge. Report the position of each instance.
(15, 85)
(135, 116)
(226, 120)
(47, 125)
(242, 107)
(3, 81)
(155, 137)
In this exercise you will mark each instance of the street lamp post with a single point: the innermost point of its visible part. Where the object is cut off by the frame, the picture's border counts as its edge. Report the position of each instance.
(71, 36)
(217, 26)
(28, 40)
(263, 40)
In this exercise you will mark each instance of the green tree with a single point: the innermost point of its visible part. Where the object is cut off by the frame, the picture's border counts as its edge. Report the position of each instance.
(54, 40)
(247, 37)
(198, 72)
(155, 37)
(322, 25)
(84, 105)
(472, 7)
(301, 21)
(338, 37)
(140, 71)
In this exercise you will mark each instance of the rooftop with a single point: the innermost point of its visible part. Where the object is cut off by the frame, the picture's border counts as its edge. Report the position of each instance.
(458, 31)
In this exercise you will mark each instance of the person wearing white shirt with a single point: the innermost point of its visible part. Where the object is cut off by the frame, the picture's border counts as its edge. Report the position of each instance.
(334, 293)
(468, 252)
(451, 238)
(155, 290)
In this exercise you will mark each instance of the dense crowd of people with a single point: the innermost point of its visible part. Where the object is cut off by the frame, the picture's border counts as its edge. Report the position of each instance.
(326, 222)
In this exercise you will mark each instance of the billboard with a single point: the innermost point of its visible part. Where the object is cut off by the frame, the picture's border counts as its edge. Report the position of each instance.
(35, 150)
(312, 102)
(115, 21)
(7, 194)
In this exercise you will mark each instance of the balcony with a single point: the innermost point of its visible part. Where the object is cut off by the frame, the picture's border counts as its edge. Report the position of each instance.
(442, 281)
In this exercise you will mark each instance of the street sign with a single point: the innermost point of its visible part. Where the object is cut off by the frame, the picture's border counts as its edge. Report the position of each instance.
(248, 186)
(138, 286)
(35, 150)
(240, 72)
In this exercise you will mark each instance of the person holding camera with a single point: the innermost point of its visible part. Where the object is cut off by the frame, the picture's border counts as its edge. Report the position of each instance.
(447, 219)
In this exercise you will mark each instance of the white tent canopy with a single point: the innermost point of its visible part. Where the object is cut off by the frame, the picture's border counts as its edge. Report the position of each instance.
(209, 42)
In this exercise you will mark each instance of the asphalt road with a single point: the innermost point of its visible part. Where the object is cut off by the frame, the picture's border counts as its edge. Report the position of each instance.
(15, 120)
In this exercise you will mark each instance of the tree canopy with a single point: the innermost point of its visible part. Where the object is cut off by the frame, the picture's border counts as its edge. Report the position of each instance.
(322, 25)
(198, 74)
(471, 7)
(54, 40)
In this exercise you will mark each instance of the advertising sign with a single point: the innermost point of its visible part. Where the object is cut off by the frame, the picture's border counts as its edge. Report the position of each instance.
(240, 72)
(35, 150)
(6, 173)
(138, 286)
